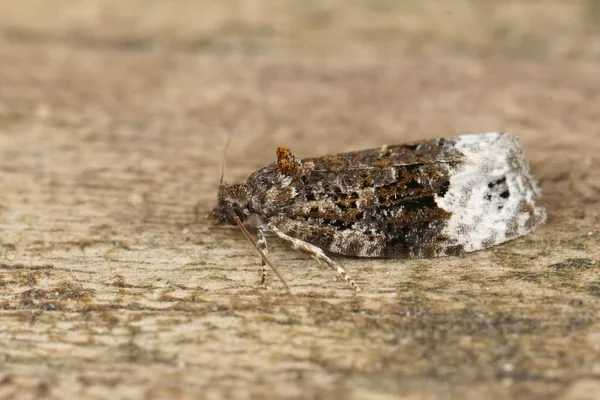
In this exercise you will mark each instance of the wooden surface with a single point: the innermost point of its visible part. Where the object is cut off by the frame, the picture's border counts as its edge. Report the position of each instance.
(109, 288)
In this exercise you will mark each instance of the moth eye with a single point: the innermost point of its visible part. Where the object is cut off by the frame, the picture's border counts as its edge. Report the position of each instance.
(239, 212)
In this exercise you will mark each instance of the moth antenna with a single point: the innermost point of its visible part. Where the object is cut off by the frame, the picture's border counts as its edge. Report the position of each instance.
(260, 251)
(225, 158)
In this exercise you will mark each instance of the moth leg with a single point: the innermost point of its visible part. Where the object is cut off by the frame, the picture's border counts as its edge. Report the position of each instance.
(262, 244)
(314, 252)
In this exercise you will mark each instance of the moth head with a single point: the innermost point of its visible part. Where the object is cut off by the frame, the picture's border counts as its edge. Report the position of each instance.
(230, 198)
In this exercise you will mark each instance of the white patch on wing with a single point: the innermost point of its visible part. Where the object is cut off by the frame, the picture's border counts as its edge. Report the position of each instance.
(491, 194)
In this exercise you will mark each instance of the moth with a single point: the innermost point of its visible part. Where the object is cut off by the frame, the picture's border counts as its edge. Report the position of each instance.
(432, 198)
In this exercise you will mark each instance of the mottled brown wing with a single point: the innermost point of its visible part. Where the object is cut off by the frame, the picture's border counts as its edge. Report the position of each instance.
(374, 203)
(423, 152)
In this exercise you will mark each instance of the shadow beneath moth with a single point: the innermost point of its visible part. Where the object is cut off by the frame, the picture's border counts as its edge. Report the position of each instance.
(432, 198)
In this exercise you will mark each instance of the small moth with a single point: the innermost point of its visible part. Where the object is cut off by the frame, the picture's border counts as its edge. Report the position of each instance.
(431, 198)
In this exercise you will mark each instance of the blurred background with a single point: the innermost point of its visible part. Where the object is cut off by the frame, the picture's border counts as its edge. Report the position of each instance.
(113, 119)
(532, 29)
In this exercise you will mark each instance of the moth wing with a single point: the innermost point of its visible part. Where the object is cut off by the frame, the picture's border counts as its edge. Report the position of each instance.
(347, 242)
(463, 194)
(425, 152)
